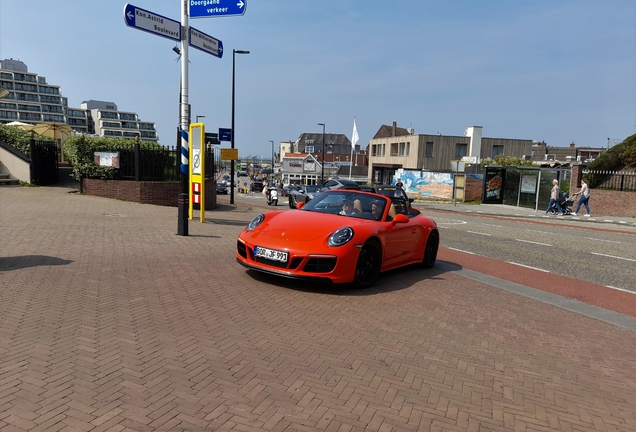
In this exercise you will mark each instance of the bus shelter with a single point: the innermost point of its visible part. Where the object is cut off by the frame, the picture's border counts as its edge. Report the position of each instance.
(527, 187)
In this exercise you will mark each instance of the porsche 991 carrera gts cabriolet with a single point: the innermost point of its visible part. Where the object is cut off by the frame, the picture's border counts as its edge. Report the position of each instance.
(340, 236)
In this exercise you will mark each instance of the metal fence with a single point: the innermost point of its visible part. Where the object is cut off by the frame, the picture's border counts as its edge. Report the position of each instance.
(159, 164)
(44, 167)
(611, 180)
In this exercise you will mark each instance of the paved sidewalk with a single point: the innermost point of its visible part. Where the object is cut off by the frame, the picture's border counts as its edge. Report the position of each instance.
(512, 211)
(109, 321)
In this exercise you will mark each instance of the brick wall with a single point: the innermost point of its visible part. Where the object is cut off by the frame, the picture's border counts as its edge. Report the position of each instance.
(157, 193)
(611, 203)
(604, 202)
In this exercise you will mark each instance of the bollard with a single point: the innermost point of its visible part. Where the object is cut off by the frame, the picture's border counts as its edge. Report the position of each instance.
(182, 229)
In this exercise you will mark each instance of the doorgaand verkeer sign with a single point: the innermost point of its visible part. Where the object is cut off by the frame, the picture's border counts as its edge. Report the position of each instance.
(216, 8)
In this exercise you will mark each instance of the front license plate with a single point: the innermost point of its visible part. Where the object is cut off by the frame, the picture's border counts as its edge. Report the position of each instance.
(270, 254)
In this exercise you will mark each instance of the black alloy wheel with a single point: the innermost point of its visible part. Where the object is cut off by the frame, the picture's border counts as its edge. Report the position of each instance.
(369, 264)
(430, 252)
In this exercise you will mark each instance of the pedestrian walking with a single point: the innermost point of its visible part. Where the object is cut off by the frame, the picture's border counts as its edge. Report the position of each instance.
(554, 197)
(585, 197)
(399, 183)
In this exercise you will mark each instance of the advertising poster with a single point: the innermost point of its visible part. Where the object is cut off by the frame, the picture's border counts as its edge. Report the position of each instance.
(529, 184)
(493, 186)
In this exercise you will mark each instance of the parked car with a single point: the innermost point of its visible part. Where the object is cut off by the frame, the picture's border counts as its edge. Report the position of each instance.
(338, 183)
(287, 189)
(303, 194)
(393, 191)
(322, 242)
(221, 188)
(256, 186)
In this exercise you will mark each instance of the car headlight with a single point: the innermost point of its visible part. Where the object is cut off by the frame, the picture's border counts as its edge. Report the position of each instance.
(340, 237)
(255, 222)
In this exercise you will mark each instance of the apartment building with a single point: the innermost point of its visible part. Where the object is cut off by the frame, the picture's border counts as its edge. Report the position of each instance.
(32, 100)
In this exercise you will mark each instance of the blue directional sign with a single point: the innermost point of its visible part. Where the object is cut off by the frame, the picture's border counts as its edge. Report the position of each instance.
(225, 134)
(151, 22)
(216, 8)
(205, 43)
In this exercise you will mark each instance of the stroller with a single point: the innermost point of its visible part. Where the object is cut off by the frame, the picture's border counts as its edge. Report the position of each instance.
(565, 201)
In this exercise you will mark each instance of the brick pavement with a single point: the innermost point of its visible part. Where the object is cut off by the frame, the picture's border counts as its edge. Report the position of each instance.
(110, 321)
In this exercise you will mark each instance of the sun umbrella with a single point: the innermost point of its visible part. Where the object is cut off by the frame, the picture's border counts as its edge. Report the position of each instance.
(19, 123)
(53, 130)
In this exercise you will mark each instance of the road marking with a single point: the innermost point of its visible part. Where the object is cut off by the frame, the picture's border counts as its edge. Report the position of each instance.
(459, 250)
(537, 243)
(612, 256)
(455, 222)
(475, 232)
(620, 289)
(491, 225)
(533, 268)
(540, 232)
(602, 240)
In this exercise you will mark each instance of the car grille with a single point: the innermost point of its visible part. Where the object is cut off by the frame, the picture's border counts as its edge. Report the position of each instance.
(320, 265)
(314, 265)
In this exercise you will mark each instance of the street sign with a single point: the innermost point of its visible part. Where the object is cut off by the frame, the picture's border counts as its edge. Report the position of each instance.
(205, 43)
(212, 138)
(230, 154)
(201, 8)
(225, 134)
(152, 23)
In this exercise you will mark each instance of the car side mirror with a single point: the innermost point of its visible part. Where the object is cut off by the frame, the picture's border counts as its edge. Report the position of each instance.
(400, 218)
(300, 205)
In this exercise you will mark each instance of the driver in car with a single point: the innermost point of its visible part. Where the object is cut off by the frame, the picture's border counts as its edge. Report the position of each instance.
(347, 207)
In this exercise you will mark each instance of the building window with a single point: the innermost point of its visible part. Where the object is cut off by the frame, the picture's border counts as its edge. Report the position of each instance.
(497, 150)
(461, 150)
(394, 149)
(429, 149)
(404, 149)
(309, 149)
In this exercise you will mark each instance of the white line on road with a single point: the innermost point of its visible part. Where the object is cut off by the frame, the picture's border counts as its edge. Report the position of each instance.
(475, 232)
(459, 250)
(612, 256)
(620, 289)
(537, 243)
(603, 240)
(533, 268)
(540, 232)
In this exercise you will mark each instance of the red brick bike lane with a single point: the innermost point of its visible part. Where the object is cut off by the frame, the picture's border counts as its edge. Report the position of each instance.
(575, 289)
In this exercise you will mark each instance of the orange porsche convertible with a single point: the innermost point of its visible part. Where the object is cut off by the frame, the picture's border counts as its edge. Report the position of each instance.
(341, 236)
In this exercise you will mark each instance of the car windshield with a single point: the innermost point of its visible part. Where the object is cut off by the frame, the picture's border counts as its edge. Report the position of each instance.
(348, 204)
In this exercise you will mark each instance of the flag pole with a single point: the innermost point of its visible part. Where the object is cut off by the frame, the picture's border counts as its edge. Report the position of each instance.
(354, 140)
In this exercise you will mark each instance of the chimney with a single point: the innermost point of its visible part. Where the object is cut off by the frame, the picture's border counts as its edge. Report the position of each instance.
(572, 145)
(394, 130)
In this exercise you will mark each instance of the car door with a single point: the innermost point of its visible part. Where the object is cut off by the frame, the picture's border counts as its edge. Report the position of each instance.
(403, 240)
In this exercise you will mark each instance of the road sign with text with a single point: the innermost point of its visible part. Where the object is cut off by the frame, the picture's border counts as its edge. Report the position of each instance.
(206, 43)
(216, 8)
(152, 23)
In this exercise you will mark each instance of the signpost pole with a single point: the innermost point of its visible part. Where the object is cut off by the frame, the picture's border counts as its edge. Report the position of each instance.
(183, 108)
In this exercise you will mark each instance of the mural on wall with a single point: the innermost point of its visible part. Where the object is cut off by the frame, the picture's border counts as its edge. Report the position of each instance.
(432, 185)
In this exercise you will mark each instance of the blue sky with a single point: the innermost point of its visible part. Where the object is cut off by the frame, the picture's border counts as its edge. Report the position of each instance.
(556, 71)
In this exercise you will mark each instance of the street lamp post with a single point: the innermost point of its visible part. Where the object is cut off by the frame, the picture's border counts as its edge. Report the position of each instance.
(198, 117)
(322, 174)
(272, 158)
(234, 52)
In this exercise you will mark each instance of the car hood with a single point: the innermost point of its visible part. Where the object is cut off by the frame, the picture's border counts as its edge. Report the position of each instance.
(303, 225)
